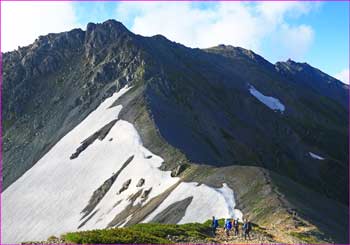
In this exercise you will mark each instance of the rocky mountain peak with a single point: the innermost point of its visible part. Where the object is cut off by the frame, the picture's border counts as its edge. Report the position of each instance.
(304, 68)
(307, 75)
(238, 53)
(293, 65)
(100, 36)
(232, 50)
(70, 39)
(110, 28)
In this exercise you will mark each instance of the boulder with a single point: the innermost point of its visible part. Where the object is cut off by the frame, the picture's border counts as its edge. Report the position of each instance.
(178, 170)
(141, 182)
(145, 194)
(125, 186)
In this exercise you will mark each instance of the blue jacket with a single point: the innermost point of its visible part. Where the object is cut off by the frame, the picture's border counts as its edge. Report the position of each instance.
(228, 225)
(215, 223)
(245, 226)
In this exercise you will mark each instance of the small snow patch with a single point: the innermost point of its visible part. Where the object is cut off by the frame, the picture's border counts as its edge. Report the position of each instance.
(315, 156)
(271, 102)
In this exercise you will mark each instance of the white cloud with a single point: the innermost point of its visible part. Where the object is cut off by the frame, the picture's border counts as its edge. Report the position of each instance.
(234, 23)
(253, 26)
(292, 41)
(23, 22)
(343, 76)
(276, 12)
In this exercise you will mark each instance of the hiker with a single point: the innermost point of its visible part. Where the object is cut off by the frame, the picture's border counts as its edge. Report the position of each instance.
(214, 225)
(247, 227)
(228, 226)
(236, 226)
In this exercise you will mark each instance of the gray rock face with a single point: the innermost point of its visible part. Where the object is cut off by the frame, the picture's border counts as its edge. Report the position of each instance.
(49, 87)
(100, 36)
(100, 134)
(47, 54)
(174, 213)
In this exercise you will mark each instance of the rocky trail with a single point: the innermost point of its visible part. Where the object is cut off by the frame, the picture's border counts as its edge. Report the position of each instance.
(256, 237)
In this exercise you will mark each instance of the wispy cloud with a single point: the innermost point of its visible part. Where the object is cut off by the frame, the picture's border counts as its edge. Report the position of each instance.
(235, 23)
(256, 26)
(23, 22)
(343, 76)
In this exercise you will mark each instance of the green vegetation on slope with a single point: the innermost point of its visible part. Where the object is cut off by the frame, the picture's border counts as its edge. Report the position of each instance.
(110, 236)
(156, 233)
(140, 233)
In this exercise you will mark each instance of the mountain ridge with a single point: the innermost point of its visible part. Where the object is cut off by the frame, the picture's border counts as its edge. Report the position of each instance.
(116, 25)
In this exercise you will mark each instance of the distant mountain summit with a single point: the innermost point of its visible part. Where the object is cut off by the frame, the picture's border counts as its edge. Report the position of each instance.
(306, 75)
(104, 128)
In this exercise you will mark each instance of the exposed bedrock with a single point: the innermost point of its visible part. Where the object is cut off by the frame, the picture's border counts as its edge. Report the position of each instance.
(102, 190)
(100, 134)
(173, 213)
(124, 186)
(141, 182)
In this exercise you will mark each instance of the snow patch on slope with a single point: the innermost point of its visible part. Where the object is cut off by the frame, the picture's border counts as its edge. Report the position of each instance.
(49, 198)
(206, 202)
(271, 102)
(315, 156)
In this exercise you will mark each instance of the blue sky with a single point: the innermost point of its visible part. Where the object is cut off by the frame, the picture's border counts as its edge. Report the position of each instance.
(312, 32)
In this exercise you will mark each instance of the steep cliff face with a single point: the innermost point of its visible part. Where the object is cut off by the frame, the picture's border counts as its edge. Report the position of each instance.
(224, 115)
(51, 85)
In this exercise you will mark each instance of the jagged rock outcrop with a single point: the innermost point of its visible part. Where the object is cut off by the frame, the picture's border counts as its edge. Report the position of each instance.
(141, 182)
(145, 194)
(178, 170)
(125, 186)
(100, 134)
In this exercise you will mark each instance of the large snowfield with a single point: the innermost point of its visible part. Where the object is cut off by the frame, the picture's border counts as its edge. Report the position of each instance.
(271, 102)
(49, 198)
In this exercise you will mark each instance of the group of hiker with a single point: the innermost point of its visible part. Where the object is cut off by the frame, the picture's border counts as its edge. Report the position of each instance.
(233, 224)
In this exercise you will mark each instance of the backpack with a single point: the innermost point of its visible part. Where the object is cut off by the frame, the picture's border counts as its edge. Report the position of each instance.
(229, 225)
(249, 226)
(245, 226)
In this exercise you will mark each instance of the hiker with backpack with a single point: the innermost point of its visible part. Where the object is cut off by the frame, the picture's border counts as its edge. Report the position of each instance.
(247, 227)
(236, 226)
(228, 226)
(214, 225)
